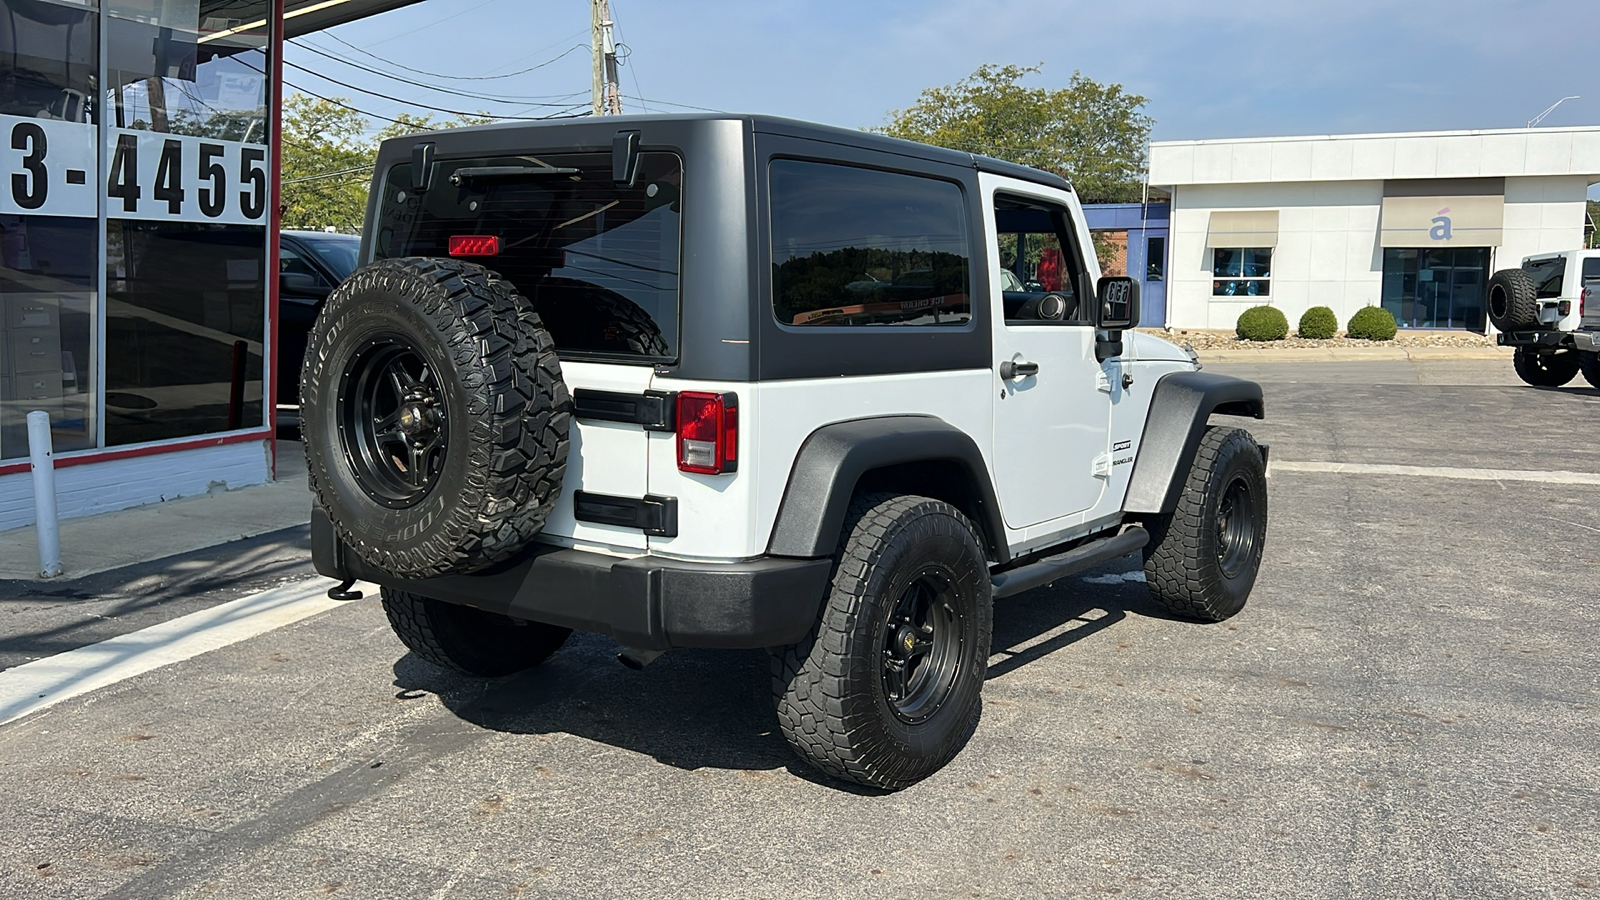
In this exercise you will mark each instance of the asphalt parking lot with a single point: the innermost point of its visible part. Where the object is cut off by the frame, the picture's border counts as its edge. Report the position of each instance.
(1407, 707)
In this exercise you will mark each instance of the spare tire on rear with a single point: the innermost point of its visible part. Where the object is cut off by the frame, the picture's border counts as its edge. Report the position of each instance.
(1513, 300)
(434, 416)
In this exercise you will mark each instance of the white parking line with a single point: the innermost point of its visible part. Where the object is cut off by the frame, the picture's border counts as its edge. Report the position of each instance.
(33, 686)
(1555, 477)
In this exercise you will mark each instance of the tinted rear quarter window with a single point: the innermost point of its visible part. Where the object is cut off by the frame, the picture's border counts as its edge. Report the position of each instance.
(599, 260)
(1547, 275)
(856, 246)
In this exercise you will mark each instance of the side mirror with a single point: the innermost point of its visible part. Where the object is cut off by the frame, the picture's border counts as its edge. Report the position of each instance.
(1116, 303)
(301, 284)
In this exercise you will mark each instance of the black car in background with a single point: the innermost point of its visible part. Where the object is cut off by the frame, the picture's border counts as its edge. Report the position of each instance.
(310, 265)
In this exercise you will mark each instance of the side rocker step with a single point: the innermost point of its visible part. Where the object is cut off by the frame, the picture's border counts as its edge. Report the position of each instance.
(1084, 556)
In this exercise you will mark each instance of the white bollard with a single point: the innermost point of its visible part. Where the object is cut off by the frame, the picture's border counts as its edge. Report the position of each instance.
(42, 456)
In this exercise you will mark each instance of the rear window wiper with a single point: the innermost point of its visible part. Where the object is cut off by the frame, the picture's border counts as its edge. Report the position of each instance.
(506, 173)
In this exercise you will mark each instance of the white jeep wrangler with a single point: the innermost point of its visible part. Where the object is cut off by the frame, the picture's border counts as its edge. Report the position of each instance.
(1549, 310)
(741, 382)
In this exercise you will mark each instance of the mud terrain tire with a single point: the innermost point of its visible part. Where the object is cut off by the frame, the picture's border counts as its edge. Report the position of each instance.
(1546, 369)
(887, 687)
(434, 417)
(1202, 558)
(1513, 300)
(467, 640)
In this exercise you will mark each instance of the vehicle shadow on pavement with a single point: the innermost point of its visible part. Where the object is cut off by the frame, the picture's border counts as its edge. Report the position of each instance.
(696, 709)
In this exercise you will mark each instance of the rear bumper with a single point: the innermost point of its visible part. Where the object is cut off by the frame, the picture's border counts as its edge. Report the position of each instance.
(1586, 341)
(645, 602)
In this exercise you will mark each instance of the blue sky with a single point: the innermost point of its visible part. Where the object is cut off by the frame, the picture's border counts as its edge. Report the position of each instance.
(1209, 69)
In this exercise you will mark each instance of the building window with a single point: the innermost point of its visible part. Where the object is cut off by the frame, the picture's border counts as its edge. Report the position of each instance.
(1436, 287)
(1155, 260)
(861, 247)
(1241, 272)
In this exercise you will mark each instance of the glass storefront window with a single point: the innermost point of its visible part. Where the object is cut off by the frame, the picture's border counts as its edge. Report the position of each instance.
(1436, 288)
(187, 186)
(49, 232)
(191, 67)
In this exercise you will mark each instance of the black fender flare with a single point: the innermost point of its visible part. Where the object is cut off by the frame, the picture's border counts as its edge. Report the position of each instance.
(833, 459)
(1182, 403)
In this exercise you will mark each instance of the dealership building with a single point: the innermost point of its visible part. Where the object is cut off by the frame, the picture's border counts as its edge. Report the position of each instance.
(138, 269)
(1411, 222)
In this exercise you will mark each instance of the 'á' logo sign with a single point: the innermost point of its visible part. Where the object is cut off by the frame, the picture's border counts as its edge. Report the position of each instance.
(1441, 226)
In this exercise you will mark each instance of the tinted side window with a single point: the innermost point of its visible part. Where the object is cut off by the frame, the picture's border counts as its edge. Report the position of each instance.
(1591, 271)
(861, 247)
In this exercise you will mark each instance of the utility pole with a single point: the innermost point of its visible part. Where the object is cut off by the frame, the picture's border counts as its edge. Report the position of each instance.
(606, 93)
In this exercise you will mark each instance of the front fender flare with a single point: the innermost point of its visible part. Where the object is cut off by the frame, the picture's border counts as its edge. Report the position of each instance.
(1182, 403)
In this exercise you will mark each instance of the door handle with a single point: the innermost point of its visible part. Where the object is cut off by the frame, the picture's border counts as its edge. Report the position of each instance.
(1010, 371)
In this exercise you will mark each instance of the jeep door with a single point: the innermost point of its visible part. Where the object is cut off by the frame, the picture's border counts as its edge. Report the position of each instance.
(1052, 416)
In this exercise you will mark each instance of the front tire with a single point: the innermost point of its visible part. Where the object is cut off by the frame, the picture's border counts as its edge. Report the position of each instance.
(467, 640)
(1203, 557)
(1546, 369)
(886, 689)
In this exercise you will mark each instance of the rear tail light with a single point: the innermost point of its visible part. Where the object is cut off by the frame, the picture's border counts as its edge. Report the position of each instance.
(708, 432)
(1583, 302)
(1564, 308)
(474, 245)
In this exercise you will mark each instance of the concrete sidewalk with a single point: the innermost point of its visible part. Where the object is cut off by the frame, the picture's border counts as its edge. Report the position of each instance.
(109, 541)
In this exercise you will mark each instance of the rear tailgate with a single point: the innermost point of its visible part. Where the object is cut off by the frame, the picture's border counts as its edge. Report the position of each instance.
(606, 459)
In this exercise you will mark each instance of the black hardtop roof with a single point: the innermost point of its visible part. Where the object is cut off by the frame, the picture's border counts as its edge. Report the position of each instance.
(780, 126)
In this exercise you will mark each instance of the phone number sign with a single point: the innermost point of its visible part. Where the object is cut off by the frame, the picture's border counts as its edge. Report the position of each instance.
(52, 169)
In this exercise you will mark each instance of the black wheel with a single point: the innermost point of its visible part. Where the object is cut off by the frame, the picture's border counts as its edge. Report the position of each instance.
(434, 417)
(1547, 369)
(887, 687)
(469, 640)
(1589, 365)
(1513, 300)
(1202, 559)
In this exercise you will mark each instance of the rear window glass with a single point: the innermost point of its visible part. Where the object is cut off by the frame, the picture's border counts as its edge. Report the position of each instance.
(1547, 274)
(1591, 271)
(861, 247)
(599, 260)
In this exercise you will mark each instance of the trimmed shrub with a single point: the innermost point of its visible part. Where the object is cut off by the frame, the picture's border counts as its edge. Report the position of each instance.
(1373, 323)
(1262, 323)
(1318, 323)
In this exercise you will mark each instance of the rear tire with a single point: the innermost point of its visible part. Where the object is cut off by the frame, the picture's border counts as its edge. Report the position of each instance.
(886, 688)
(1547, 369)
(1589, 365)
(1513, 300)
(467, 640)
(1203, 557)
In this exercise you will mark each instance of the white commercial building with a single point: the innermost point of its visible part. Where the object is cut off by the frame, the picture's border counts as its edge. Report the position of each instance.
(1413, 222)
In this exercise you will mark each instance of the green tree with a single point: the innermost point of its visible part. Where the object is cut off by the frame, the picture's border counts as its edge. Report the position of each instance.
(328, 152)
(1093, 134)
(1593, 237)
(327, 163)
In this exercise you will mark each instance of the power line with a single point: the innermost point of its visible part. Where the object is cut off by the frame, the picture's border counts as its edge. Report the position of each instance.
(670, 103)
(454, 15)
(321, 175)
(460, 77)
(412, 81)
(353, 87)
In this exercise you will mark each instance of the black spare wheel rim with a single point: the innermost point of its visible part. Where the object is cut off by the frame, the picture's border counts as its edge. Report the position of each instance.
(395, 421)
(1237, 528)
(922, 646)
